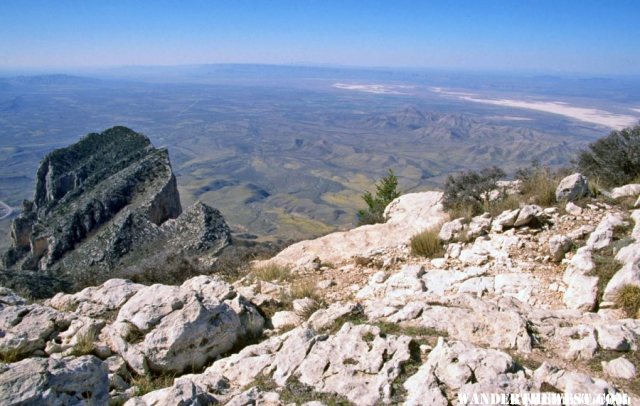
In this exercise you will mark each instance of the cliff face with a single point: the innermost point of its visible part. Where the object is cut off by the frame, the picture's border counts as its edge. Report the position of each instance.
(99, 203)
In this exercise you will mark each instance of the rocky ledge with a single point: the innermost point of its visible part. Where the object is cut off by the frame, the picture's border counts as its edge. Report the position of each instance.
(108, 202)
(523, 301)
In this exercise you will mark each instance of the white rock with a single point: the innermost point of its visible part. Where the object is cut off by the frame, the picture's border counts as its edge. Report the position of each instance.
(346, 362)
(27, 328)
(630, 190)
(97, 301)
(180, 327)
(439, 262)
(469, 257)
(578, 342)
(325, 284)
(602, 236)
(518, 285)
(406, 216)
(572, 187)
(527, 214)
(324, 318)
(478, 286)
(558, 246)
(505, 219)
(453, 250)
(285, 319)
(619, 368)
(450, 366)
(183, 392)
(41, 381)
(629, 274)
(573, 209)
(635, 216)
(479, 225)
(581, 292)
(581, 232)
(302, 306)
(571, 382)
(439, 281)
(451, 230)
(615, 336)
(478, 322)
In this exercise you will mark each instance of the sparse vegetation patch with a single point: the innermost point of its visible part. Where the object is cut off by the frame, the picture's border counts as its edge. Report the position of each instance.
(427, 244)
(628, 299)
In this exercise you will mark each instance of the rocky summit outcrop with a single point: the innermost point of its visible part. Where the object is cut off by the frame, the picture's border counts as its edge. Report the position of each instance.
(108, 202)
(520, 302)
(407, 215)
(84, 348)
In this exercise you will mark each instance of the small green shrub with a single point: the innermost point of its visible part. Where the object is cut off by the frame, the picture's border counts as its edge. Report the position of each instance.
(468, 192)
(386, 192)
(427, 244)
(628, 299)
(613, 160)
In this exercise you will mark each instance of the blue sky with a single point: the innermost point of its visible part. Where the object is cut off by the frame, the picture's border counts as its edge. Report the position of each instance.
(555, 36)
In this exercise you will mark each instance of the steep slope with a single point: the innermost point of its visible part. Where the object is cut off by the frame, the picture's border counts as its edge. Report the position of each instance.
(104, 203)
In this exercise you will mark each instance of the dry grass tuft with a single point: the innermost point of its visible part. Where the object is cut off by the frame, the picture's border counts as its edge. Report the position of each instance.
(272, 273)
(85, 343)
(427, 244)
(628, 299)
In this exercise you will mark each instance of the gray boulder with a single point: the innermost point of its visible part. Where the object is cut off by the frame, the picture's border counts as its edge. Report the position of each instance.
(67, 381)
(572, 187)
(168, 329)
(631, 190)
(558, 246)
(451, 230)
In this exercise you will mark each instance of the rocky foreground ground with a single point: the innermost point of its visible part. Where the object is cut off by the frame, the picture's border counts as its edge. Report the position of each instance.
(519, 302)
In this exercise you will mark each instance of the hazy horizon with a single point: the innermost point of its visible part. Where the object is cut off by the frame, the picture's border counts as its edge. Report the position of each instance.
(583, 37)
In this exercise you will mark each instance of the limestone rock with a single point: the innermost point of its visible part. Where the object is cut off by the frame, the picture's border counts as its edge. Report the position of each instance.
(571, 382)
(27, 328)
(97, 301)
(581, 292)
(324, 318)
(630, 190)
(479, 225)
(629, 274)
(602, 236)
(619, 368)
(170, 328)
(345, 363)
(558, 246)
(183, 392)
(505, 219)
(451, 230)
(451, 366)
(527, 214)
(573, 209)
(285, 319)
(68, 381)
(406, 216)
(572, 187)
